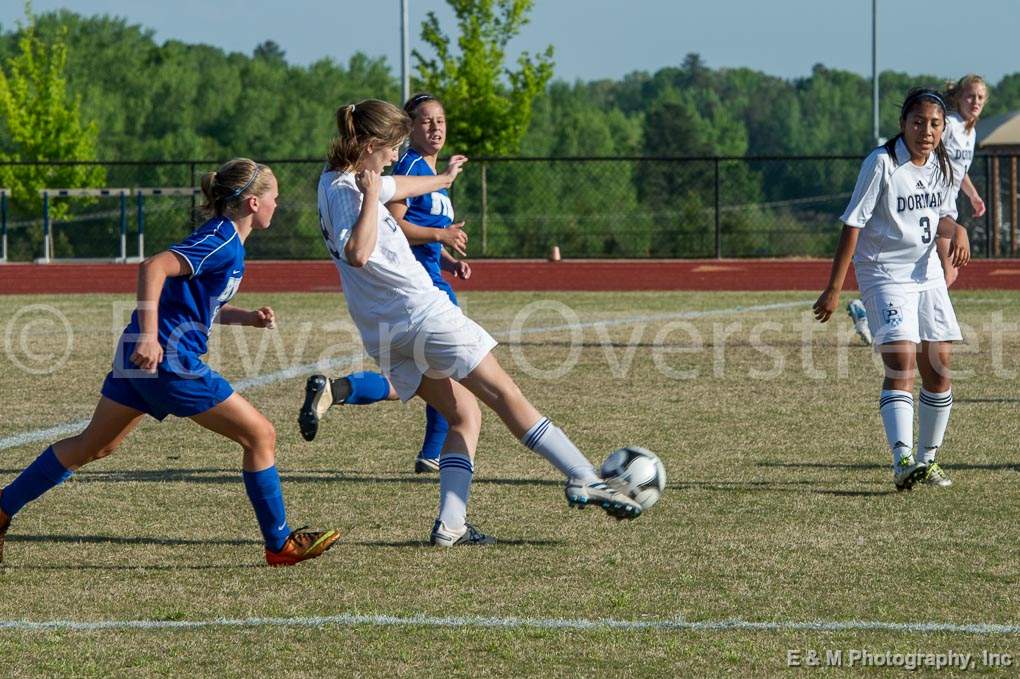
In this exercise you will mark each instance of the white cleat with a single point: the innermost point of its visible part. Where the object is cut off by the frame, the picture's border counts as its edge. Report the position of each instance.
(598, 494)
(906, 472)
(443, 537)
(936, 477)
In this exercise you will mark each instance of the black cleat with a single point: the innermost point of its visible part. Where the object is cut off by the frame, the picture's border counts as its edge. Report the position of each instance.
(318, 399)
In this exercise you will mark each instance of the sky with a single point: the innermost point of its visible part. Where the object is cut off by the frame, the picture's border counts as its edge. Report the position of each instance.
(596, 39)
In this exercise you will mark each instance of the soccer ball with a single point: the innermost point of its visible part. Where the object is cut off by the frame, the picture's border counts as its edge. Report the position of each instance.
(636, 471)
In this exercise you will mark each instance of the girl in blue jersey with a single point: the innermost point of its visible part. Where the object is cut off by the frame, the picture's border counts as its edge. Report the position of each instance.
(158, 370)
(427, 222)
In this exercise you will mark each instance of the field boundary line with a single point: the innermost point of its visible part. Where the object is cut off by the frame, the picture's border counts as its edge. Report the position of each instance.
(36, 435)
(668, 625)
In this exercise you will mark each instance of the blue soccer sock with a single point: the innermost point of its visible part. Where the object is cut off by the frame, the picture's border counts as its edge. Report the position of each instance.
(367, 387)
(44, 473)
(263, 488)
(435, 434)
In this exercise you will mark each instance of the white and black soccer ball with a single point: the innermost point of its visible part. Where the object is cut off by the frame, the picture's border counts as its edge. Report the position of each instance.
(636, 471)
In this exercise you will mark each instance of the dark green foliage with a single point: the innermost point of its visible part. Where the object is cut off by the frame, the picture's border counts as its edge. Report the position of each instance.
(150, 101)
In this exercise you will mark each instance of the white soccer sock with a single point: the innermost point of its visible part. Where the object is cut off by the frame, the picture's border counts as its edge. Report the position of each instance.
(550, 442)
(455, 473)
(897, 408)
(934, 417)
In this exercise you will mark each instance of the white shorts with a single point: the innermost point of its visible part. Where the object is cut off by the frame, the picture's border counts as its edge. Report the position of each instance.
(449, 345)
(916, 316)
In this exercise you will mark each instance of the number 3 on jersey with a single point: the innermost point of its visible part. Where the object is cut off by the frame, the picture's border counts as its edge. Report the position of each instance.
(926, 225)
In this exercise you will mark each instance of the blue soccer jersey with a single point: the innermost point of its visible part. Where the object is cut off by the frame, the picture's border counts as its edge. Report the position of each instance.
(189, 304)
(431, 210)
(183, 384)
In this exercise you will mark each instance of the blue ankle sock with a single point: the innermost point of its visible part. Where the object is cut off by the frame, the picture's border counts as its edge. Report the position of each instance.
(263, 488)
(367, 387)
(435, 434)
(44, 473)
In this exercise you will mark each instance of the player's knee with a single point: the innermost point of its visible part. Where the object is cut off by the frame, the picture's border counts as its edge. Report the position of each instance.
(466, 417)
(266, 436)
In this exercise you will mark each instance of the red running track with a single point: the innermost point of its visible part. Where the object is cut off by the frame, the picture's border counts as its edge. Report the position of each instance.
(522, 274)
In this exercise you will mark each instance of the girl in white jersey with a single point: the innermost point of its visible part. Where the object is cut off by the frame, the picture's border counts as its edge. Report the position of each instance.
(967, 97)
(421, 340)
(898, 210)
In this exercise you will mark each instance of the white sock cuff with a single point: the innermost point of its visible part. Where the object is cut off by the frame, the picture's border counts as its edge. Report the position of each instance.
(936, 400)
(895, 396)
(456, 461)
(534, 435)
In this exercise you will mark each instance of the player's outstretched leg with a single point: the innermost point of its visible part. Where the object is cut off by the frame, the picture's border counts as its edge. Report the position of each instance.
(360, 388)
(490, 383)
(456, 462)
(111, 423)
(239, 421)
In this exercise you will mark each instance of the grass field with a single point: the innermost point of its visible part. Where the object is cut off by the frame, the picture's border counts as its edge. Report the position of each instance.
(780, 507)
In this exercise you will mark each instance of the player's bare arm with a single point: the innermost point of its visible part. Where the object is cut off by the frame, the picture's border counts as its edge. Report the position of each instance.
(263, 317)
(152, 273)
(452, 236)
(408, 186)
(363, 238)
(829, 299)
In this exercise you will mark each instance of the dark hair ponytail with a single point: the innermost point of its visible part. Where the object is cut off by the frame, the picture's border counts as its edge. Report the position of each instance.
(914, 98)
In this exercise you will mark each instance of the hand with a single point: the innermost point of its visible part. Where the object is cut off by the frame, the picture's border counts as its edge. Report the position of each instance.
(959, 247)
(461, 269)
(454, 167)
(977, 205)
(263, 318)
(368, 182)
(455, 238)
(148, 354)
(826, 304)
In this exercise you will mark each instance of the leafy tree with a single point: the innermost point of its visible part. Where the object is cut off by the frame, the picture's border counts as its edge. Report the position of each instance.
(493, 104)
(39, 120)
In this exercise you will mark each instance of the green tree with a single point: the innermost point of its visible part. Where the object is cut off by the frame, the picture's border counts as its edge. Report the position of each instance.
(39, 120)
(492, 103)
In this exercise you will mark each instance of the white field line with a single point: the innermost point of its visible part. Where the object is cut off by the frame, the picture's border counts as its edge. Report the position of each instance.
(351, 620)
(68, 428)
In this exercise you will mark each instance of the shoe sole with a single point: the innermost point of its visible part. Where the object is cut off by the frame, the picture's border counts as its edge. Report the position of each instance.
(911, 480)
(423, 467)
(308, 421)
(618, 510)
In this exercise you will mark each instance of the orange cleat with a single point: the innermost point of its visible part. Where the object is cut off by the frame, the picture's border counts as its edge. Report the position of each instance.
(302, 545)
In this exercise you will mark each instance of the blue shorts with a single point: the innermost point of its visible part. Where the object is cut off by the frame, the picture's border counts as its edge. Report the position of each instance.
(183, 385)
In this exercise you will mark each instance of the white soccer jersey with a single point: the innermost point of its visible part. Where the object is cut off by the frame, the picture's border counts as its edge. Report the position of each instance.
(897, 205)
(959, 144)
(392, 294)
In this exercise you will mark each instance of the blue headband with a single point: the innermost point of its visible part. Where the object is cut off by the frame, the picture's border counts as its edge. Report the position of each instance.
(238, 192)
(934, 96)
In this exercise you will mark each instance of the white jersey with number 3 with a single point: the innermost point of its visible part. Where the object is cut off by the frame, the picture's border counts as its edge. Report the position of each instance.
(897, 205)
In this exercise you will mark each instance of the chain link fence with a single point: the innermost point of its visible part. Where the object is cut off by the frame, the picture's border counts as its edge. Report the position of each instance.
(628, 207)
